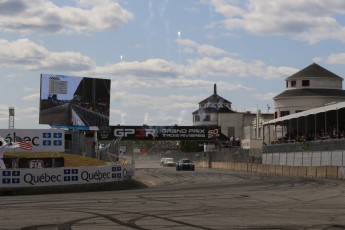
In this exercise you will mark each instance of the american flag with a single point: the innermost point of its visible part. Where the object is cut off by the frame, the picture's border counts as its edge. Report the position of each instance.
(24, 144)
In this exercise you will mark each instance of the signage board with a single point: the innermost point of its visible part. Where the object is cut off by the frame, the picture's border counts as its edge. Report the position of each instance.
(159, 132)
(42, 140)
(64, 176)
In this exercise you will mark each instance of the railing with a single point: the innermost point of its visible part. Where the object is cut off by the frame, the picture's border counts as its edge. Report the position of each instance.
(90, 117)
(311, 153)
(311, 146)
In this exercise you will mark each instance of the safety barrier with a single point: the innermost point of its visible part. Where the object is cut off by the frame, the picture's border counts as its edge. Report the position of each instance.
(331, 172)
(24, 180)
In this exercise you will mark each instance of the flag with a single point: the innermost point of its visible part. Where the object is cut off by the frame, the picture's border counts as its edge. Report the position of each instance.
(24, 144)
(8, 145)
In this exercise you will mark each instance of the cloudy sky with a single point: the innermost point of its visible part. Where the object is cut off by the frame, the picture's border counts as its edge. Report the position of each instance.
(164, 56)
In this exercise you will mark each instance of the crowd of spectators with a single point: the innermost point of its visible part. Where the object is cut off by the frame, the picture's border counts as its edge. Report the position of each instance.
(321, 134)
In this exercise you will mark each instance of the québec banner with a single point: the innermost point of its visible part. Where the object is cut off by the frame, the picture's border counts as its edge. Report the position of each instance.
(64, 176)
(42, 140)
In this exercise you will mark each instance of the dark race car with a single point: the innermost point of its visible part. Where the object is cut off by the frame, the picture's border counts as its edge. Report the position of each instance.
(185, 164)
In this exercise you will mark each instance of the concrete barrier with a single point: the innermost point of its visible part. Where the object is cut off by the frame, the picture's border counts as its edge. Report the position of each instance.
(302, 171)
(254, 167)
(212, 165)
(341, 173)
(238, 166)
(232, 165)
(259, 168)
(311, 171)
(265, 169)
(50, 180)
(332, 172)
(294, 171)
(286, 170)
(215, 165)
(279, 170)
(272, 169)
(249, 167)
(321, 171)
(244, 166)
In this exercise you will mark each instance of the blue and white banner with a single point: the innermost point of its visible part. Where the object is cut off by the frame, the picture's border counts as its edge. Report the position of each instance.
(42, 140)
(64, 176)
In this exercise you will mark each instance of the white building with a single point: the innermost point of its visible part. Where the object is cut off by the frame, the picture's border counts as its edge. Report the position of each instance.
(216, 110)
(310, 88)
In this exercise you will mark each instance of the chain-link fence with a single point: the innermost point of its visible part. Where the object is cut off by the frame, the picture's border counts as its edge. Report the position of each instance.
(111, 152)
(233, 154)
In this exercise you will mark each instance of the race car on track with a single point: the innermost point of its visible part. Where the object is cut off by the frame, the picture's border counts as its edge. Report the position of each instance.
(185, 164)
(169, 162)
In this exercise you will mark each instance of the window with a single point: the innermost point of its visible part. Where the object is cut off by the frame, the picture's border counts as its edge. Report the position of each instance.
(284, 113)
(207, 118)
(196, 118)
(293, 83)
(305, 82)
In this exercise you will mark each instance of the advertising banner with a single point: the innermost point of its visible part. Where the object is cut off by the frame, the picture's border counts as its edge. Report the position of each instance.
(39, 140)
(64, 176)
(159, 132)
(37, 162)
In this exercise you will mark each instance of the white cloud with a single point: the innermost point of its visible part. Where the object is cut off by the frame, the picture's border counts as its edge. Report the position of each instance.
(264, 97)
(43, 16)
(26, 54)
(155, 71)
(338, 58)
(149, 68)
(306, 20)
(190, 46)
(31, 97)
(29, 55)
(230, 68)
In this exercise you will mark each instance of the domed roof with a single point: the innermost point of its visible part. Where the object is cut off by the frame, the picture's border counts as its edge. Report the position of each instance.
(214, 104)
(215, 98)
(313, 70)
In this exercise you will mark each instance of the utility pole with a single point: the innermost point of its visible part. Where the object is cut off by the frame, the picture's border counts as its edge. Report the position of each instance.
(11, 117)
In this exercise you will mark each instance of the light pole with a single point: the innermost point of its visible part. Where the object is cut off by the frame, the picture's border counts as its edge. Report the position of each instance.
(11, 117)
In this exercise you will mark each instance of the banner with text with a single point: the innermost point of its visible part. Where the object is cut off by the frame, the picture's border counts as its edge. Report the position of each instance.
(42, 140)
(159, 132)
(64, 176)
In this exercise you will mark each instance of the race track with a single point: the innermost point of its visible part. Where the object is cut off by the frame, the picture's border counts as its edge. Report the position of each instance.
(203, 199)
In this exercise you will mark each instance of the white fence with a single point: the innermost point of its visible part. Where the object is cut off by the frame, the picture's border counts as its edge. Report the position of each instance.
(314, 158)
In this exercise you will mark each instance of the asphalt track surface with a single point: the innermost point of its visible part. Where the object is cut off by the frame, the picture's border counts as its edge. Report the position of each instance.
(204, 199)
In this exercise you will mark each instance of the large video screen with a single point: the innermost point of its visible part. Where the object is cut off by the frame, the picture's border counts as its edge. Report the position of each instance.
(74, 101)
